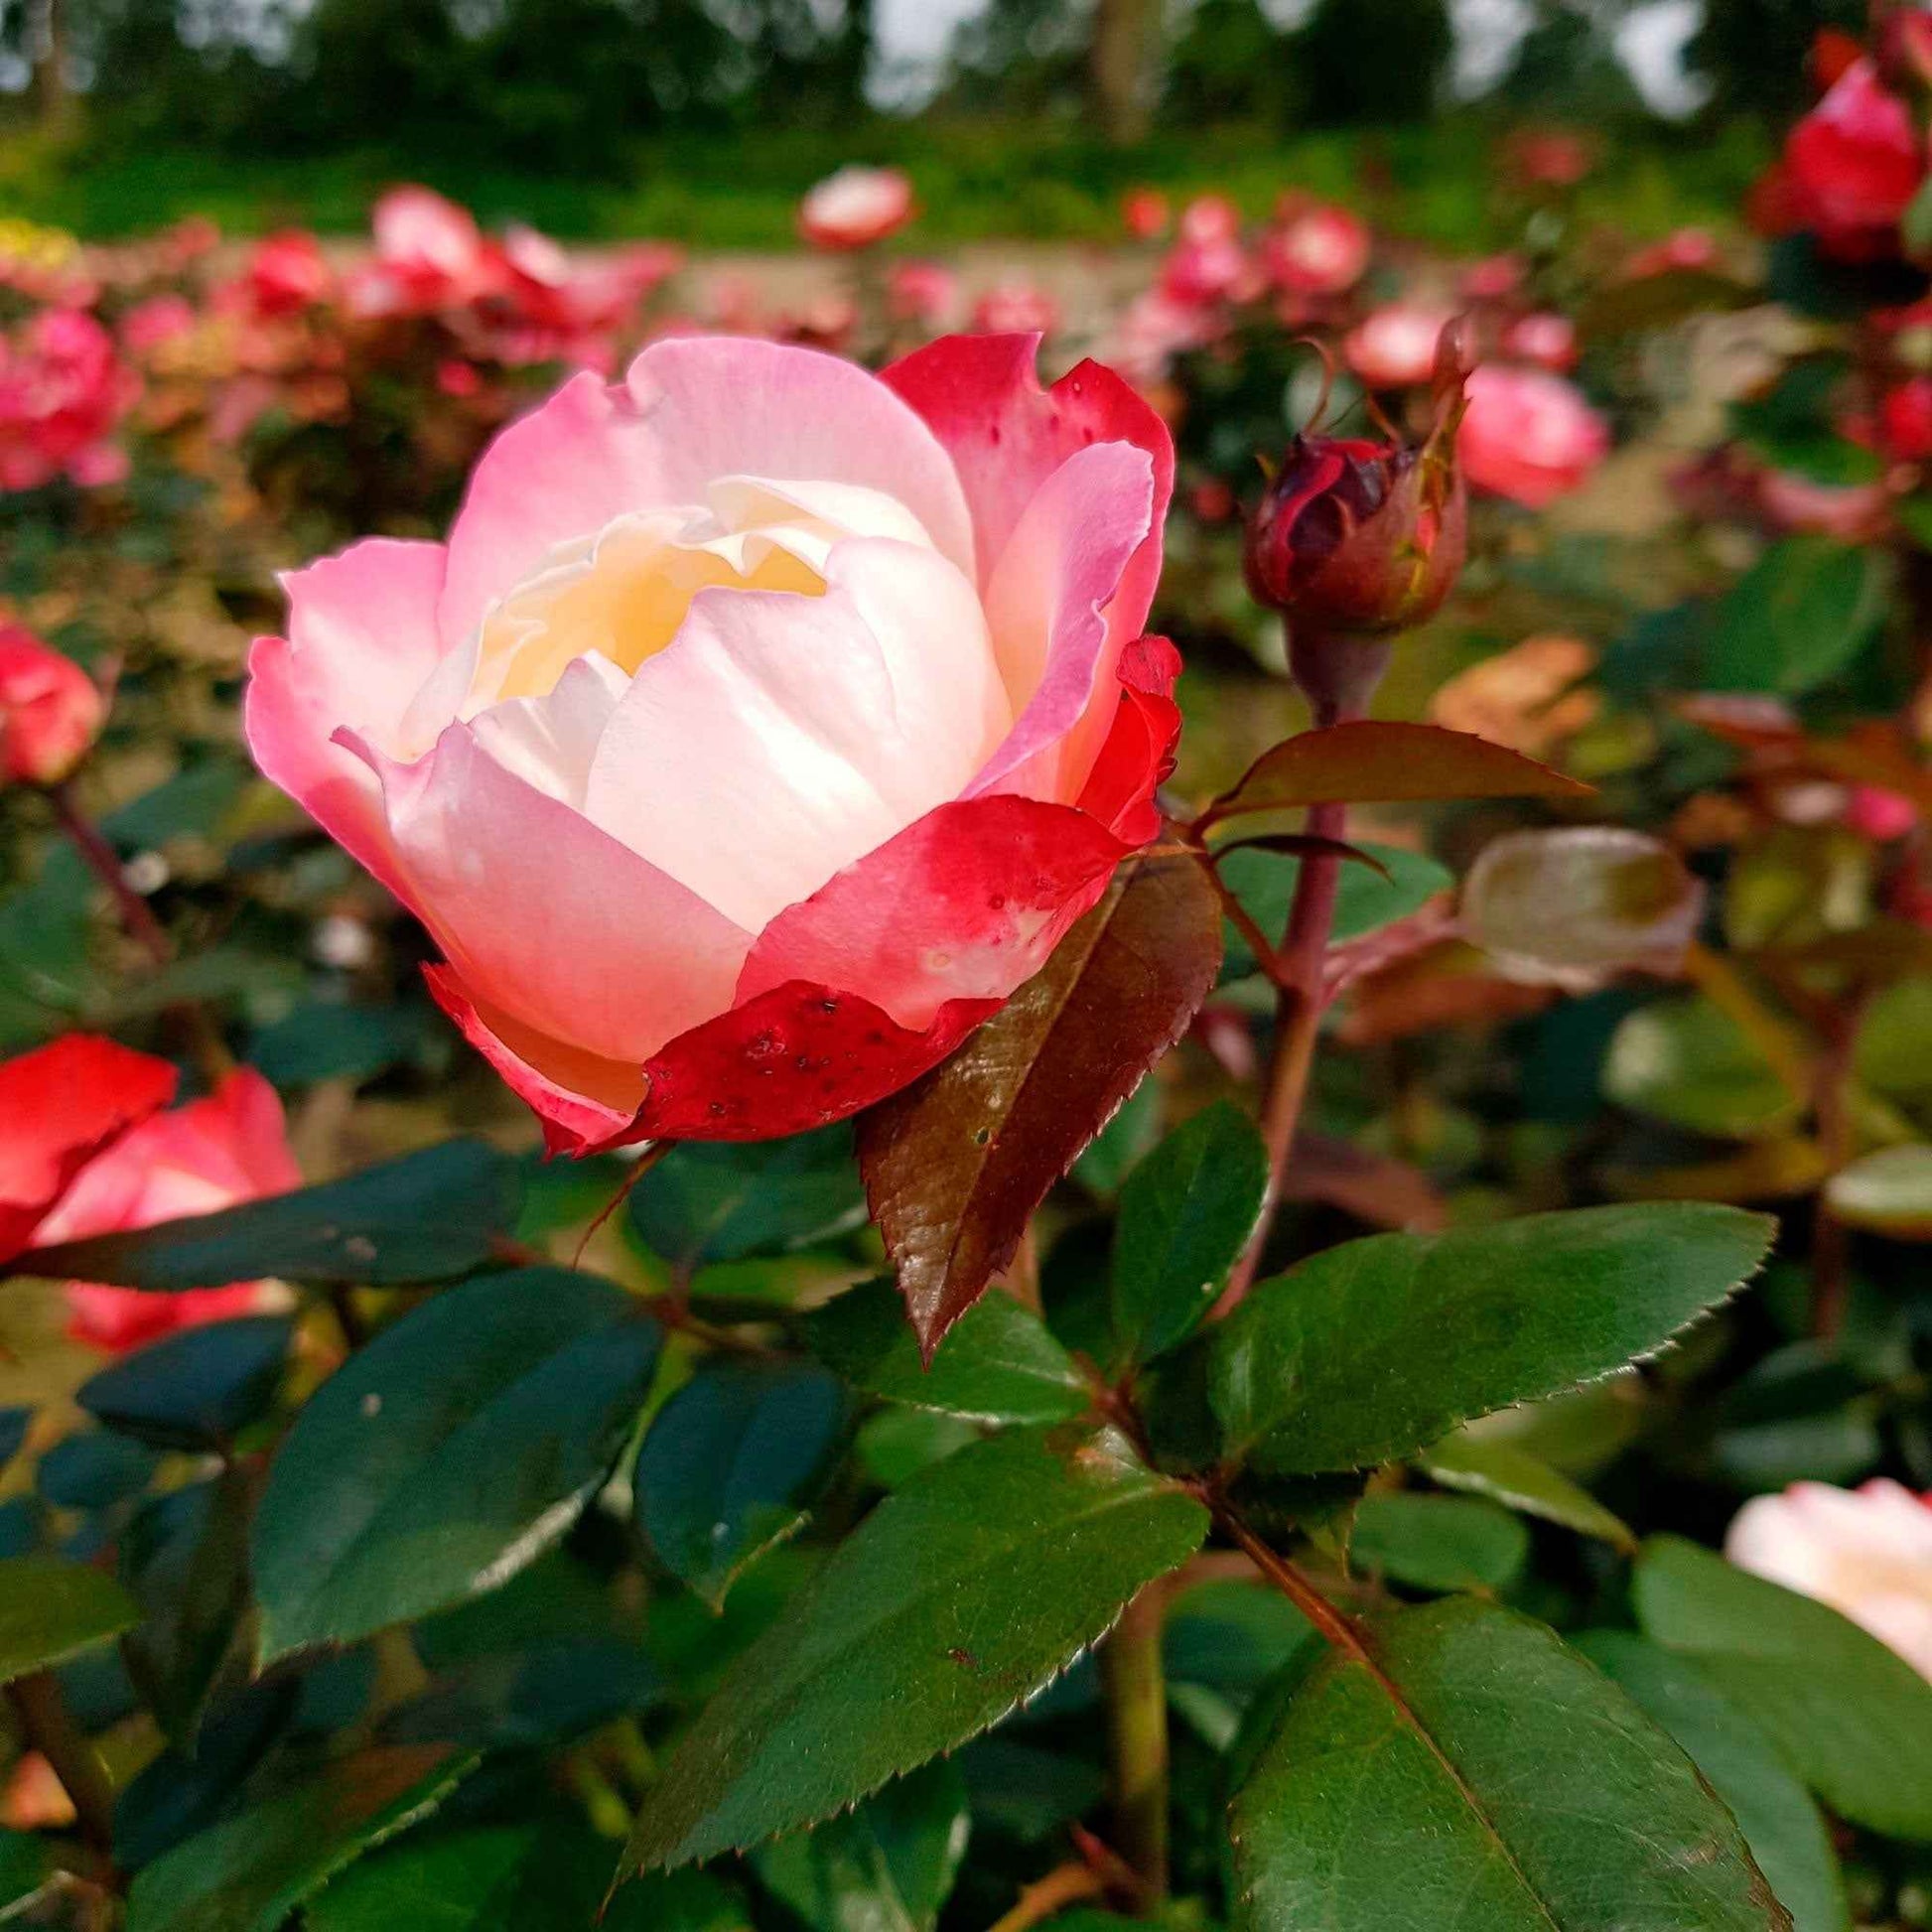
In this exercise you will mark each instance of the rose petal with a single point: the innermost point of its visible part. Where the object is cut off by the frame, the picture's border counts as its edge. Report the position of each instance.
(966, 903)
(1137, 754)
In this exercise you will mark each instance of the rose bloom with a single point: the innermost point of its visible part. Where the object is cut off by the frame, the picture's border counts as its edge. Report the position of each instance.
(856, 207)
(1873, 813)
(60, 1106)
(1199, 272)
(286, 274)
(231, 1147)
(1016, 308)
(761, 726)
(1680, 248)
(157, 322)
(428, 255)
(1210, 217)
(1867, 1552)
(1144, 214)
(1529, 435)
(1853, 165)
(1851, 512)
(1492, 278)
(1906, 418)
(50, 710)
(62, 390)
(1317, 250)
(925, 293)
(1395, 347)
(1545, 339)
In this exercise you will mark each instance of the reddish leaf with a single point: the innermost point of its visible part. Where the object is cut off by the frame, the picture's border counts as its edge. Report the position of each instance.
(1373, 762)
(955, 1165)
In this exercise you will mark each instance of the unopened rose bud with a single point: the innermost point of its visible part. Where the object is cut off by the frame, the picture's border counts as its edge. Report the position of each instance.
(50, 710)
(1362, 538)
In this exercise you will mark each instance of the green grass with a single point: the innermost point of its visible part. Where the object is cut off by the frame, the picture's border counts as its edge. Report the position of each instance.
(977, 180)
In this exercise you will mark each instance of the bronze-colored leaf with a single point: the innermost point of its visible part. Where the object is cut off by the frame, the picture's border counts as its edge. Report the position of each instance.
(1371, 762)
(956, 1164)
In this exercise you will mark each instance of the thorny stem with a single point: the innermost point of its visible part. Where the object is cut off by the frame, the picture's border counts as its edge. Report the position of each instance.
(1065, 1884)
(50, 1731)
(1137, 1726)
(139, 923)
(1330, 1624)
(1830, 1257)
(1340, 677)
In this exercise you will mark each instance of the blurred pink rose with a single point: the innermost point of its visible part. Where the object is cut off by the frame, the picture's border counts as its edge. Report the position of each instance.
(856, 207)
(50, 710)
(1866, 1551)
(1210, 217)
(1853, 165)
(1849, 511)
(925, 293)
(1529, 435)
(1682, 248)
(429, 255)
(1395, 347)
(1143, 212)
(1492, 278)
(1016, 309)
(1202, 271)
(160, 319)
(761, 728)
(1545, 339)
(231, 1147)
(1153, 330)
(287, 273)
(62, 390)
(1876, 813)
(1317, 250)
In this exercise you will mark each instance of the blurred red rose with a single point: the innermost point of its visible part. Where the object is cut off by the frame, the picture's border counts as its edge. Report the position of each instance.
(50, 710)
(1853, 165)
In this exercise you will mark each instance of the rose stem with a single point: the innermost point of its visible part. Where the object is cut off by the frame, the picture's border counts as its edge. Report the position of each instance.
(1137, 1728)
(138, 920)
(1065, 1884)
(50, 1731)
(1339, 676)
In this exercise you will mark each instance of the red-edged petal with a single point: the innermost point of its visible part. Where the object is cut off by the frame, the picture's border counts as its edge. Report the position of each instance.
(795, 1057)
(965, 903)
(982, 399)
(1137, 754)
(59, 1107)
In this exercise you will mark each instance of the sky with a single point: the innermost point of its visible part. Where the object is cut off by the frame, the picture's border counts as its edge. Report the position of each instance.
(913, 36)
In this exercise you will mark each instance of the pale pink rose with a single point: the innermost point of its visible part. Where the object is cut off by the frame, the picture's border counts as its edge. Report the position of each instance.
(1849, 511)
(1492, 278)
(761, 728)
(925, 293)
(1153, 330)
(1395, 347)
(1529, 435)
(231, 1147)
(1210, 217)
(1016, 308)
(856, 207)
(1866, 1551)
(429, 256)
(1317, 250)
(1202, 270)
(1545, 339)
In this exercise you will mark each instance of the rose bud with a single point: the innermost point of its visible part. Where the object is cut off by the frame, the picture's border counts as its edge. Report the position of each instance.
(50, 710)
(60, 1106)
(1853, 165)
(856, 207)
(1867, 1552)
(762, 726)
(232, 1145)
(1360, 537)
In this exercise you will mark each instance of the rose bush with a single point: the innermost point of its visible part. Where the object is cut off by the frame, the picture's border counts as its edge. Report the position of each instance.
(762, 724)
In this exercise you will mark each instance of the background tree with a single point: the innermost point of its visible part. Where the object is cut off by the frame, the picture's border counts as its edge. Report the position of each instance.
(1753, 52)
(1412, 42)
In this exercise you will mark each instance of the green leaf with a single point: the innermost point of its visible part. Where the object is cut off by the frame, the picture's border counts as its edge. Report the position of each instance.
(453, 1449)
(1466, 1769)
(426, 1217)
(1439, 1543)
(15, 1420)
(1887, 1192)
(1853, 1719)
(1781, 1825)
(709, 1202)
(956, 1164)
(1797, 618)
(249, 1872)
(52, 1609)
(728, 1464)
(1371, 1349)
(94, 1470)
(998, 1362)
(331, 1040)
(886, 1866)
(1688, 1062)
(195, 1390)
(960, 1595)
(185, 1558)
(26, 1865)
(1375, 761)
(1366, 899)
(1186, 1214)
(1510, 1475)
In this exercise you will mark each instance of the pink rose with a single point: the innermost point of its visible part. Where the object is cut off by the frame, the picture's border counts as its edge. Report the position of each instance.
(1395, 347)
(1867, 1552)
(925, 293)
(1851, 512)
(762, 724)
(287, 273)
(231, 1147)
(1210, 217)
(1853, 165)
(1016, 308)
(62, 390)
(50, 710)
(1545, 339)
(156, 322)
(1317, 250)
(1529, 436)
(429, 256)
(1682, 248)
(856, 207)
